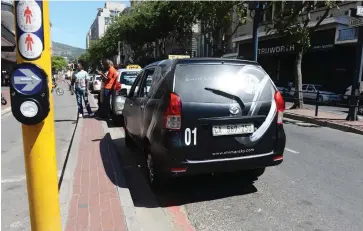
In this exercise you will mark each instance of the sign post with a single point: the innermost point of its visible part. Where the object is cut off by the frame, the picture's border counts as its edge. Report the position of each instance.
(32, 105)
(356, 22)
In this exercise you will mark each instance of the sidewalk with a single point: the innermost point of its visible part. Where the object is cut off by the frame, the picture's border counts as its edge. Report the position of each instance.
(95, 203)
(326, 119)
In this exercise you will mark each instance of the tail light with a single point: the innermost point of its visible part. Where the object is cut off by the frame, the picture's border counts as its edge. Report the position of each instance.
(280, 105)
(172, 117)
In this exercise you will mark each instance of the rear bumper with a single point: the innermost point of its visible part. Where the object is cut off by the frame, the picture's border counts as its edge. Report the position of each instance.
(224, 165)
(118, 105)
(171, 163)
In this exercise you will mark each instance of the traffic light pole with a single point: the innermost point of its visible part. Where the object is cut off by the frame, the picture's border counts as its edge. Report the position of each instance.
(256, 22)
(38, 137)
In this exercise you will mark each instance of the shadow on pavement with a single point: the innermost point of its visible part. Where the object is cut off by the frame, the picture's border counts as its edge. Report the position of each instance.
(179, 191)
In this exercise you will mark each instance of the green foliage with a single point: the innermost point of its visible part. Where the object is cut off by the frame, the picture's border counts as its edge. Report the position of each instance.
(292, 21)
(58, 63)
(148, 26)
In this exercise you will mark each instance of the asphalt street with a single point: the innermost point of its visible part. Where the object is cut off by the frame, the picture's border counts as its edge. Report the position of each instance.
(14, 203)
(319, 186)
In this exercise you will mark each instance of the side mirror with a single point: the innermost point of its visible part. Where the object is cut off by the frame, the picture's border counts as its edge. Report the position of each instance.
(123, 92)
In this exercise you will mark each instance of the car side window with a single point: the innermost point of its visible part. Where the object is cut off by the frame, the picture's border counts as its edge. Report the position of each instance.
(155, 79)
(136, 86)
(311, 88)
(146, 82)
(304, 87)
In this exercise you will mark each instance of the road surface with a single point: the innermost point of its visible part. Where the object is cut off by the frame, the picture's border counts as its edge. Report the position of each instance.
(14, 201)
(319, 186)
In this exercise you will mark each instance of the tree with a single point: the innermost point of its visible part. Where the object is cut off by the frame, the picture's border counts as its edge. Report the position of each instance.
(58, 63)
(292, 22)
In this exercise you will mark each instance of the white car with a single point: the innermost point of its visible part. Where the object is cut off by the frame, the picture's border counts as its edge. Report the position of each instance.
(126, 78)
(310, 92)
(96, 84)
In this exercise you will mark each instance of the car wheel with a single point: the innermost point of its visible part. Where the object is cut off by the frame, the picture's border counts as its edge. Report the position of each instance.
(117, 119)
(155, 179)
(320, 99)
(128, 140)
(360, 109)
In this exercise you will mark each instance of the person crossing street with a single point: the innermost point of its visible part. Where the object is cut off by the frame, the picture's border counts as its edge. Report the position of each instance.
(80, 81)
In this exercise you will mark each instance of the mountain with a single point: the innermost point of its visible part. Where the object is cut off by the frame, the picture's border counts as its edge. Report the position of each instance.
(60, 49)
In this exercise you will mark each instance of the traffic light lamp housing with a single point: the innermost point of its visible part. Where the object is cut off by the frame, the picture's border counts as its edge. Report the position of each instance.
(29, 94)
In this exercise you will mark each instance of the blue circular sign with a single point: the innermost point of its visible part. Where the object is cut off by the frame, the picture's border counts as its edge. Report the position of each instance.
(28, 79)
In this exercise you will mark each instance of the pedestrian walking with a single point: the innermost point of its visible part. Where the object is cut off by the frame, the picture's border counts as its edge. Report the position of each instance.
(109, 81)
(80, 82)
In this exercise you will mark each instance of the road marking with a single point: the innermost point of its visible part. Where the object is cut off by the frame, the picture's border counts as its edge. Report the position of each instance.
(293, 151)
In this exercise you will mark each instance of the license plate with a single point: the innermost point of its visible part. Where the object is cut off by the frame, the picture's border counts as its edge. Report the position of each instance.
(233, 129)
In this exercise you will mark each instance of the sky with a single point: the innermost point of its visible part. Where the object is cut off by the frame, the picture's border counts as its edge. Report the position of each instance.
(71, 20)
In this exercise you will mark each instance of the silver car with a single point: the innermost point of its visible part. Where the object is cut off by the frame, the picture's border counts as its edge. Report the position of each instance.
(126, 77)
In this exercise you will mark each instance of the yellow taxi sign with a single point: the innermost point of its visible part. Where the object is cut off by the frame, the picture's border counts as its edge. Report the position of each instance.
(179, 56)
(133, 67)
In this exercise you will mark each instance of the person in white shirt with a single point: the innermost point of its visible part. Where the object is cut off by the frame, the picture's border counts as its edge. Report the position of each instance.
(80, 81)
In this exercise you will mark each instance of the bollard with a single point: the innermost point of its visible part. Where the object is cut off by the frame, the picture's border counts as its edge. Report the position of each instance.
(317, 103)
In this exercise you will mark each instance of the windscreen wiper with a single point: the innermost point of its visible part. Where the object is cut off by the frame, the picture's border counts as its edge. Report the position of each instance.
(227, 95)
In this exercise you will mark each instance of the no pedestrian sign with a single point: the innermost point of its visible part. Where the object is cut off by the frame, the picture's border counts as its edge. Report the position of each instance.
(29, 21)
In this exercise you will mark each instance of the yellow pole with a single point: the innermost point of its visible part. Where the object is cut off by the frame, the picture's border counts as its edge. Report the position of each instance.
(40, 151)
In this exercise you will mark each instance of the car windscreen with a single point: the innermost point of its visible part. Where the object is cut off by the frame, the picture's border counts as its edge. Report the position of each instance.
(219, 83)
(99, 78)
(128, 77)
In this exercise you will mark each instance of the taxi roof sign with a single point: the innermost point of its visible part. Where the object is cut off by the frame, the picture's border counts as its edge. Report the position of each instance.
(133, 67)
(179, 56)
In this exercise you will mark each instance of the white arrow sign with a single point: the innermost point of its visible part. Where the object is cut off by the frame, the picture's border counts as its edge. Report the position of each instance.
(30, 79)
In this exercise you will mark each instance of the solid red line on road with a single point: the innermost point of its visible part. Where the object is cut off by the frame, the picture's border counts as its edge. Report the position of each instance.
(179, 219)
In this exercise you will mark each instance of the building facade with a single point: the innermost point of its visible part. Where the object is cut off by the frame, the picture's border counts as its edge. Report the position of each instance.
(104, 18)
(329, 61)
(8, 43)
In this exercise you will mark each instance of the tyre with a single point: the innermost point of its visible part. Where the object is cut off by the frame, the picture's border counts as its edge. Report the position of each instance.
(59, 91)
(117, 120)
(320, 99)
(129, 141)
(360, 109)
(155, 179)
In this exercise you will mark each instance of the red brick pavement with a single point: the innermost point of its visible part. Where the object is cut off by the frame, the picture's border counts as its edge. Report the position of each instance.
(95, 204)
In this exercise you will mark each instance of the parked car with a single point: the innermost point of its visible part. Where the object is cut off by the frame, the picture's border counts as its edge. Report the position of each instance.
(96, 84)
(126, 77)
(310, 92)
(204, 115)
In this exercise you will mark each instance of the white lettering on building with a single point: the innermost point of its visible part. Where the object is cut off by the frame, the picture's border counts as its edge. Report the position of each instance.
(277, 49)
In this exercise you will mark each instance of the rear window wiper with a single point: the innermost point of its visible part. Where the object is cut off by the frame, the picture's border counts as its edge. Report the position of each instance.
(227, 95)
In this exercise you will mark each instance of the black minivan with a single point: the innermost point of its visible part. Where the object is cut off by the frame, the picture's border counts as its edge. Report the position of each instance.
(205, 115)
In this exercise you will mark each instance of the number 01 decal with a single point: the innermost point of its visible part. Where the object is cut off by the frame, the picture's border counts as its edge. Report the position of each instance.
(190, 135)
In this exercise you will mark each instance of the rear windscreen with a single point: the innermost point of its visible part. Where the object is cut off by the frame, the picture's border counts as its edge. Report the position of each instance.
(128, 77)
(207, 82)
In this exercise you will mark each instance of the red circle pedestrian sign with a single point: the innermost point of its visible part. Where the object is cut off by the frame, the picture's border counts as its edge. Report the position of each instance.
(30, 45)
(29, 27)
(29, 16)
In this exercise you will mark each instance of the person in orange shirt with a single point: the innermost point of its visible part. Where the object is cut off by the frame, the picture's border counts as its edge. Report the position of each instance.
(109, 81)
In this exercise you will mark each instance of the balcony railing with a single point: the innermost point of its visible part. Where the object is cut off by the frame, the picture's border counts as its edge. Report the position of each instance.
(347, 34)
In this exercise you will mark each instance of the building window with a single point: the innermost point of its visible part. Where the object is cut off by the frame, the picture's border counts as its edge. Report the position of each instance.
(107, 20)
(347, 34)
